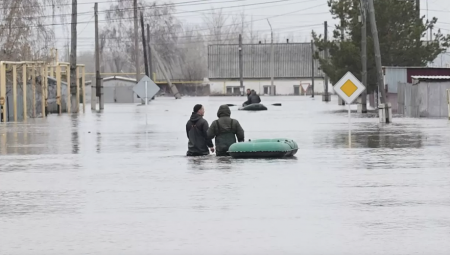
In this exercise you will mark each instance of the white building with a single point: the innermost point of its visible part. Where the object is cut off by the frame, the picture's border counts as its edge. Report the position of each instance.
(292, 64)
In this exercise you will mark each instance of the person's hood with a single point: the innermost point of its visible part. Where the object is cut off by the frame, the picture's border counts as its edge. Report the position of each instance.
(224, 111)
(253, 93)
(195, 117)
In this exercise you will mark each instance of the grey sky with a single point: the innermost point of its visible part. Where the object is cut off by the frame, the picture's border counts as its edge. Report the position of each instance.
(300, 17)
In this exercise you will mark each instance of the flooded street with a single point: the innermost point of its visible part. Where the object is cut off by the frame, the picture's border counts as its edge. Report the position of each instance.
(110, 184)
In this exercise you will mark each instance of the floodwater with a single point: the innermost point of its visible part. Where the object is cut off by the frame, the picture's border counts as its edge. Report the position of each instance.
(110, 184)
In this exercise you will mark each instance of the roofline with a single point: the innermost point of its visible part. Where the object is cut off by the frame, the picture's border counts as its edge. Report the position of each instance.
(437, 78)
(413, 67)
(266, 78)
(236, 44)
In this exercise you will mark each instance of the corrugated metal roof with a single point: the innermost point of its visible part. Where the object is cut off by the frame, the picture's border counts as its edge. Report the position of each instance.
(291, 60)
(436, 77)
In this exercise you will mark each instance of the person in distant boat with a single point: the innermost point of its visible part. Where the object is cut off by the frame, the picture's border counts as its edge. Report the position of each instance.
(196, 130)
(253, 98)
(249, 92)
(225, 130)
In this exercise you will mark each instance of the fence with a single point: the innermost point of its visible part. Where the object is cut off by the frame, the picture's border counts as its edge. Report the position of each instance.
(448, 102)
(24, 92)
(425, 99)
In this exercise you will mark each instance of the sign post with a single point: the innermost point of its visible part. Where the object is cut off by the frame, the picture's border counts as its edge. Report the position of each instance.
(146, 89)
(146, 102)
(349, 88)
(305, 87)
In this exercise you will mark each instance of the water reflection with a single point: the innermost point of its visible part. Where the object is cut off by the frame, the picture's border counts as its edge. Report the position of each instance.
(144, 190)
(99, 142)
(75, 140)
(373, 138)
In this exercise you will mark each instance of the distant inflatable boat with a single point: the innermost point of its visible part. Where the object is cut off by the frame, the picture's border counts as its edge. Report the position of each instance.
(253, 107)
(264, 148)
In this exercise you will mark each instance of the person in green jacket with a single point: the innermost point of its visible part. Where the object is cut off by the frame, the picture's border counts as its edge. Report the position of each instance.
(225, 130)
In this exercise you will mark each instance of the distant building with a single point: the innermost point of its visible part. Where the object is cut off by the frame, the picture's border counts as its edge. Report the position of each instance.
(426, 96)
(393, 75)
(292, 64)
(116, 89)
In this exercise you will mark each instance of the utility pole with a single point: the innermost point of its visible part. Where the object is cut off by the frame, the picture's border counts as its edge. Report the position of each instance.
(144, 45)
(96, 91)
(376, 45)
(325, 97)
(272, 67)
(312, 68)
(364, 54)
(136, 41)
(149, 50)
(172, 87)
(241, 67)
(73, 60)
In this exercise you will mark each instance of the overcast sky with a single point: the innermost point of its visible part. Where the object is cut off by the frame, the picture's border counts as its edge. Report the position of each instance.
(293, 19)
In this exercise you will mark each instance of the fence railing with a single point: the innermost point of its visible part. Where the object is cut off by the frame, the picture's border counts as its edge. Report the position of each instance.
(28, 95)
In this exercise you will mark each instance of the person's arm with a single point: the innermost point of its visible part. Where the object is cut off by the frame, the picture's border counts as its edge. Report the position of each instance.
(187, 129)
(259, 99)
(239, 131)
(211, 133)
(205, 129)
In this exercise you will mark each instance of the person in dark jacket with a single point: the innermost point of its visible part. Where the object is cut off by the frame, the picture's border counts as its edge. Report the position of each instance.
(225, 130)
(253, 98)
(196, 130)
(248, 98)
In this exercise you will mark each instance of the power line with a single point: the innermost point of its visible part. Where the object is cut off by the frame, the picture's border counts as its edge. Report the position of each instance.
(143, 7)
(86, 25)
(109, 1)
(69, 23)
(126, 38)
(216, 40)
(246, 22)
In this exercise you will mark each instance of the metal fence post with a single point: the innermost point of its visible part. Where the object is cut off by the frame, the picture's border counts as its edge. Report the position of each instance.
(448, 102)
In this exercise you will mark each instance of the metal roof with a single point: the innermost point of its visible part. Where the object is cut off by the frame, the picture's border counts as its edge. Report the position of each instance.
(413, 67)
(434, 77)
(291, 60)
(119, 78)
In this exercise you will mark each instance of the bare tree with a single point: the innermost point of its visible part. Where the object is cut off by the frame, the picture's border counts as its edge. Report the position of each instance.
(223, 28)
(164, 28)
(194, 55)
(24, 30)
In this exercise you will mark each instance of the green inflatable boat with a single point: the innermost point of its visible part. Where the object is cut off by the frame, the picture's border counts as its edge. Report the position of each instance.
(253, 107)
(264, 148)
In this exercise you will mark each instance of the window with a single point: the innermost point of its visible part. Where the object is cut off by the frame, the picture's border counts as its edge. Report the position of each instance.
(233, 90)
(297, 90)
(267, 89)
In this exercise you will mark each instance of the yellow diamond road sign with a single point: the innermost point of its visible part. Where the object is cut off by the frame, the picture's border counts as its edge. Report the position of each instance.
(349, 88)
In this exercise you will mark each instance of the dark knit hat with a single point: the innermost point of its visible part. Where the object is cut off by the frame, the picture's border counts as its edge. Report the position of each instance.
(197, 107)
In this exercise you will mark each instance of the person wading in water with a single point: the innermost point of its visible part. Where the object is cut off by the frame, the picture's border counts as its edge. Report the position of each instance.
(196, 129)
(225, 130)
